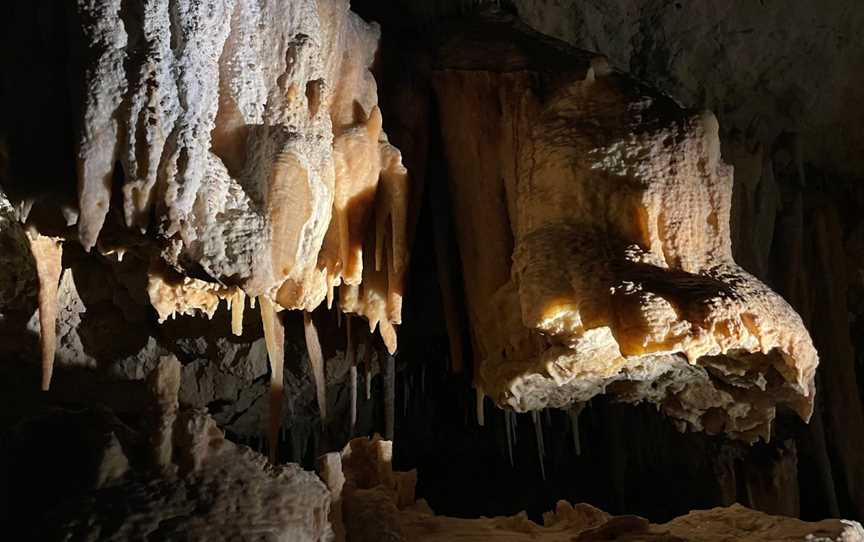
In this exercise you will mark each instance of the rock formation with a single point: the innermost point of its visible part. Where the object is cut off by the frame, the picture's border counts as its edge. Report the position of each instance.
(613, 205)
(203, 487)
(378, 503)
(590, 244)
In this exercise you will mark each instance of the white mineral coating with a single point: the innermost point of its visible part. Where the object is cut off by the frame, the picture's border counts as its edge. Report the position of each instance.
(248, 130)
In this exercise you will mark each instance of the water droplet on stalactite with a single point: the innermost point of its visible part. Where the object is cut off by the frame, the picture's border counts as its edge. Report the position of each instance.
(481, 419)
(508, 429)
(389, 397)
(48, 254)
(274, 337)
(316, 359)
(541, 451)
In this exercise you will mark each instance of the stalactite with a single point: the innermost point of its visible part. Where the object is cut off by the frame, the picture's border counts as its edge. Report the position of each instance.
(367, 377)
(237, 304)
(99, 141)
(274, 336)
(515, 425)
(573, 413)
(316, 359)
(481, 419)
(47, 253)
(406, 393)
(541, 450)
(448, 298)
(508, 429)
(352, 375)
(389, 378)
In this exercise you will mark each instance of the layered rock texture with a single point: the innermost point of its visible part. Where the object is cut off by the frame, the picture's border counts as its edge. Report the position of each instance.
(613, 205)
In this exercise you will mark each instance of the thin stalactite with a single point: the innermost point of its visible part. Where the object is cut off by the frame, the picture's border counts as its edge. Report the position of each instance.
(316, 359)
(541, 451)
(274, 337)
(389, 382)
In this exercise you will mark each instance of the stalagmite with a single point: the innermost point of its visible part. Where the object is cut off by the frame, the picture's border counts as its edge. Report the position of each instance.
(47, 253)
(274, 336)
(163, 383)
(316, 359)
(604, 263)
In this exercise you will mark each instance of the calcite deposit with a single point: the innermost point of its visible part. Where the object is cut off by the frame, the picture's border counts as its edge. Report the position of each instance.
(593, 222)
(181, 479)
(377, 503)
(251, 146)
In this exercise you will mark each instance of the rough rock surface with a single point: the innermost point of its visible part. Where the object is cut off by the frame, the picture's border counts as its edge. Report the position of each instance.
(182, 479)
(614, 205)
(379, 504)
(734, 58)
(251, 146)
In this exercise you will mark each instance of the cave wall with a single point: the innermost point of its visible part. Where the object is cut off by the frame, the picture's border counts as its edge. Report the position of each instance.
(784, 84)
(794, 140)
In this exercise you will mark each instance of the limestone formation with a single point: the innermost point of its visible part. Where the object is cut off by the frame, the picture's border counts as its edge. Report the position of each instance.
(251, 147)
(593, 221)
(378, 503)
(47, 253)
(207, 488)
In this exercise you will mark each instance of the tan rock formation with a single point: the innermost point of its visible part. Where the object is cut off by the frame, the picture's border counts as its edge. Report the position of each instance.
(207, 488)
(47, 254)
(593, 221)
(379, 504)
(250, 132)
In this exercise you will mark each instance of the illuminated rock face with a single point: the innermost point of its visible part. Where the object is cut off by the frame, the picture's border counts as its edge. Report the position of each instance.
(593, 222)
(251, 145)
